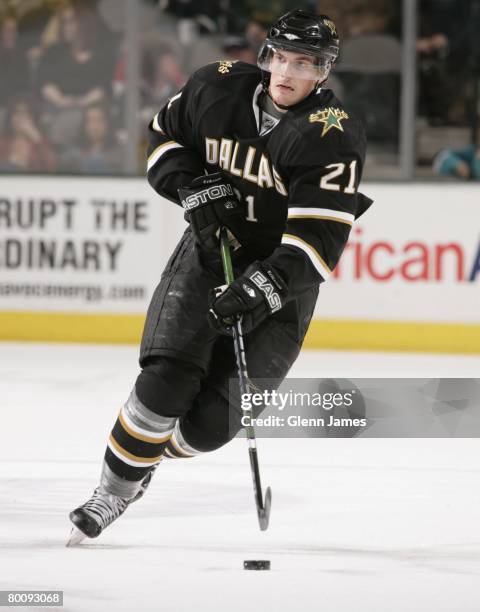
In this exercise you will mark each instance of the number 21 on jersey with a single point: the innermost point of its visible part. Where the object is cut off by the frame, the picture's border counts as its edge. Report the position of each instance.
(329, 183)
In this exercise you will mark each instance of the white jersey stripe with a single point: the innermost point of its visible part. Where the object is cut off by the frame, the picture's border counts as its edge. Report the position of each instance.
(321, 213)
(180, 444)
(161, 150)
(320, 266)
(172, 100)
(156, 125)
(128, 461)
(160, 436)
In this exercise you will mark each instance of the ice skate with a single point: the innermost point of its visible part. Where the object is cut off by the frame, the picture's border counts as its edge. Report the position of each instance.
(95, 515)
(144, 486)
(100, 511)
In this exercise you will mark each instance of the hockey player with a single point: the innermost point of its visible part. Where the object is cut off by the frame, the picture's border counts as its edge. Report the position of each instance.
(271, 154)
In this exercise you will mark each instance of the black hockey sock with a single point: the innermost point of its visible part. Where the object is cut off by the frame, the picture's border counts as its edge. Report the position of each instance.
(137, 440)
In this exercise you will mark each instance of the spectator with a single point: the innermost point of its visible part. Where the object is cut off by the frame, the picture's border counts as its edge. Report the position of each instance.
(355, 17)
(369, 70)
(23, 146)
(162, 78)
(372, 17)
(461, 163)
(38, 24)
(338, 11)
(98, 151)
(237, 48)
(447, 32)
(14, 65)
(194, 17)
(194, 9)
(74, 73)
(266, 12)
(255, 33)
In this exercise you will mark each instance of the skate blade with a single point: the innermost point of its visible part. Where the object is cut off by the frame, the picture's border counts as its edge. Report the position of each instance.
(75, 537)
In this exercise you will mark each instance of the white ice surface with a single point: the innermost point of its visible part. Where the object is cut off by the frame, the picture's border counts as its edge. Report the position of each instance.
(357, 525)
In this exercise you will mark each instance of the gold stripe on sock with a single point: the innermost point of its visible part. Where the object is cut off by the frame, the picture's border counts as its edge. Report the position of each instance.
(140, 436)
(178, 449)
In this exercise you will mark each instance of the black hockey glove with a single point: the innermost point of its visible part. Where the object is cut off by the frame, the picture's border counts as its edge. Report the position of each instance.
(210, 203)
(259, 292)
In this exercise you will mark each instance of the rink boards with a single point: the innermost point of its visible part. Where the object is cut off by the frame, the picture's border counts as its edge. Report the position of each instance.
(79, 259)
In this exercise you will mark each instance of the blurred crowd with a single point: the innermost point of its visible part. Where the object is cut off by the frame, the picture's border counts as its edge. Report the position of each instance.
(57, 109)
(64, 65)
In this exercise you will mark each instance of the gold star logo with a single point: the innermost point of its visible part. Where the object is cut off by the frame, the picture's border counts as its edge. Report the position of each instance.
(330, 117)
(224, 66)
(331, 26)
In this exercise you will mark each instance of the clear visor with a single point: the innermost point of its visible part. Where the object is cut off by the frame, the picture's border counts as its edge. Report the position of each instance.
(289, 61)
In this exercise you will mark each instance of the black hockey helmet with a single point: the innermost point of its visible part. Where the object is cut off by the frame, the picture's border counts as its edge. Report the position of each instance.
(303, 32)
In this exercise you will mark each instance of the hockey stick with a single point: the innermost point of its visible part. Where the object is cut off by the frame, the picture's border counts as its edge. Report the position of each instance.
(263, 506)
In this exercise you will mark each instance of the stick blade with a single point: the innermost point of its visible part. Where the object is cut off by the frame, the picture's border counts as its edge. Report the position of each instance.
(264, 513)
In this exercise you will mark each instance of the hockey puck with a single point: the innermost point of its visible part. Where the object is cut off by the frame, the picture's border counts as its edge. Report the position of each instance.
(256, 565)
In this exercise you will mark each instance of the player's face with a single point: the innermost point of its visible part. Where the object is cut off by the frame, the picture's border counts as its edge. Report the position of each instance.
(289, 80)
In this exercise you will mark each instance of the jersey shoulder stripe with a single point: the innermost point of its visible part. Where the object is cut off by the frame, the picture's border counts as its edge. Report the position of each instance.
(159, 151)
(326, 214)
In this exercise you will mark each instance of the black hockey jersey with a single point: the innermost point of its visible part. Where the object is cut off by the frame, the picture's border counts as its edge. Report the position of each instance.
(298, 176)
